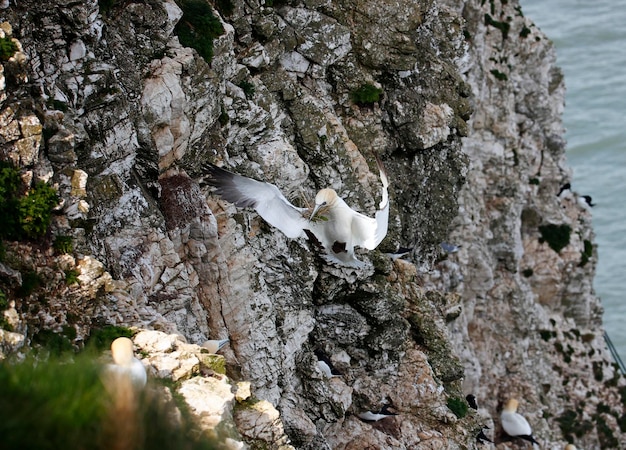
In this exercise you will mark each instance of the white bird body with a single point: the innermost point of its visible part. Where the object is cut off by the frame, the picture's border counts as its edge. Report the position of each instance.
(213, 346)
(125, 364)
(514, 424)
(338, 228)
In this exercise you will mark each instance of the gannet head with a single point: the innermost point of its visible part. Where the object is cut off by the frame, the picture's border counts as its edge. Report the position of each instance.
(511, 405)
(122, 351)
(324, 199)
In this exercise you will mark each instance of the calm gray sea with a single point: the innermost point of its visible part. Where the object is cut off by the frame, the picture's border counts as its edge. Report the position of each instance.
(590, 40)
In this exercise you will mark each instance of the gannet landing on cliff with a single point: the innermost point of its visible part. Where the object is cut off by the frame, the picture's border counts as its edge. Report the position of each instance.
(514, 424)
(332, 224)
(126, 365)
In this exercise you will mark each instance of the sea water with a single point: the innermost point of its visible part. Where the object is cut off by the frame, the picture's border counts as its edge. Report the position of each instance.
(590, 41)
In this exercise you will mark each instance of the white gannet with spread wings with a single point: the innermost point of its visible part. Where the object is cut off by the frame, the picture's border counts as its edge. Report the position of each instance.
(332, 223)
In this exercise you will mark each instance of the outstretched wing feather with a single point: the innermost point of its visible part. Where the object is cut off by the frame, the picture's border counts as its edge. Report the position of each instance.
(264, 197)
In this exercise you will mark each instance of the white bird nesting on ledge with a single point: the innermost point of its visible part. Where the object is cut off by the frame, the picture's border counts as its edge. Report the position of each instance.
(332, 224)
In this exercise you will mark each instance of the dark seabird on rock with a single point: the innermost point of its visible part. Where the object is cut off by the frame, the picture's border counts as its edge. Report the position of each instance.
(401, 252)
(449, 248)
(481, 438)
(565, 187)
(336, 227)
(325, 365)
(471, 401)
(586, 201)
(375, 416)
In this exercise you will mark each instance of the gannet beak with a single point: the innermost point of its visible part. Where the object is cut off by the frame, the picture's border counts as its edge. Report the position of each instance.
(315, 210)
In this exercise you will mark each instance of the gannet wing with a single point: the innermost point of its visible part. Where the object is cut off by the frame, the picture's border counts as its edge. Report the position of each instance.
(265, 198)
(368, 232)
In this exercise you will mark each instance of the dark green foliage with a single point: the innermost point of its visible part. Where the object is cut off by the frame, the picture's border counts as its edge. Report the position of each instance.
(10, 183)
(198, 27)
(534, 181)
(528, 272)
(4, 304)
(225, 7)
(504, 27)
(547, 334)
(525, 32)
(223, 118)
(7, 48)
(571, 425)
(101, 338)
(499, 75)
(55, 343)
(24, 216)
(586, 254)
(35, 210)
(30, 282)
(71, 277)
(556, 236)
(248, 88)
(458, 406)
(63, 244)
(367, 94)
(106, 6)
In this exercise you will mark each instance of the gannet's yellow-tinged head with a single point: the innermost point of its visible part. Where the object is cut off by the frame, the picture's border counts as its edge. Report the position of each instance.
(570, 447)
(511, 405)
(122, 351)
(324, 199)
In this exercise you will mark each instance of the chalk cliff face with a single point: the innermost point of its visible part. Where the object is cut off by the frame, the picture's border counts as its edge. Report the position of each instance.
(105, 103)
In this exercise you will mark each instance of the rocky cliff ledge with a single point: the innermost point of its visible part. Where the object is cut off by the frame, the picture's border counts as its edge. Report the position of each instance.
(461, 100)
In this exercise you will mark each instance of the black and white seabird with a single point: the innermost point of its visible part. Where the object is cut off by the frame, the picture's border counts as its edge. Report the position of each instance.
(375, 416)
(325, 365)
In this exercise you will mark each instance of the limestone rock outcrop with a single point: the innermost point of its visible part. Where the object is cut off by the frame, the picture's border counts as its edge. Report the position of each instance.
(460, 99)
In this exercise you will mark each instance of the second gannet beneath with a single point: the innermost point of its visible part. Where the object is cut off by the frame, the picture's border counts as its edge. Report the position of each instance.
(332, 224)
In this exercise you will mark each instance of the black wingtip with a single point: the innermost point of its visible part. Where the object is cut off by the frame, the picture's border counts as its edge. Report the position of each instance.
(224, 185)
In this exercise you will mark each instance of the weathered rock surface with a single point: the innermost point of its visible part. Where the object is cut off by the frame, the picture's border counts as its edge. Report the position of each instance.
(110, 108)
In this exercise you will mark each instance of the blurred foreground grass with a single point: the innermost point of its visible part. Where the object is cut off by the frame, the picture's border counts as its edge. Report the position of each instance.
(62, 403)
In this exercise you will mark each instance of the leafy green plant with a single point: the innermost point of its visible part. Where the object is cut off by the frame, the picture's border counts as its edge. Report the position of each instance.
(198, 27)
(101, 338)
(10, 183)
(225, 7)
(556, 236)
(30, 282)
(24, 216)
(7, 48)
(458, 406)
(35, 210)
(367, 94)
(71, 277)
(248, 88)
(63, 244)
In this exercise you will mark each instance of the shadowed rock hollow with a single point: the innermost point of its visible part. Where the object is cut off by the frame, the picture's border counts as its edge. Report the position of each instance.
(461, 100)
